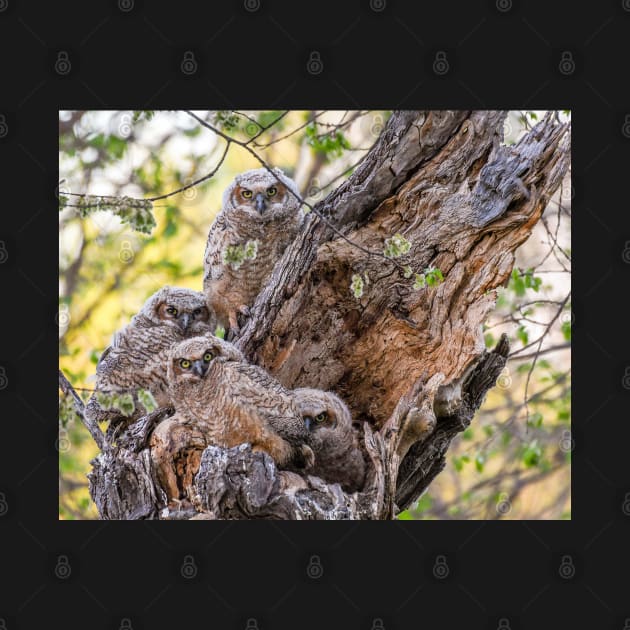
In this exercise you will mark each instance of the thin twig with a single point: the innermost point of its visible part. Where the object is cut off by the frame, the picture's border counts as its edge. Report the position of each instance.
(562, 346)
(197, 181)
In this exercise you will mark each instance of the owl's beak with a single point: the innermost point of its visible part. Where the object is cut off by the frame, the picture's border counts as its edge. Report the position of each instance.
(260, 202)
(308, 421)
(199, 368)
(184, 320)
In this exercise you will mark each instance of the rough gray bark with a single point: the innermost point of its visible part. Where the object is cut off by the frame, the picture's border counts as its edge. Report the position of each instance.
(411, 364)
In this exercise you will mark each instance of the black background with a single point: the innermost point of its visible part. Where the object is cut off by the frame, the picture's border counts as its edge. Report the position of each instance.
(499, 572)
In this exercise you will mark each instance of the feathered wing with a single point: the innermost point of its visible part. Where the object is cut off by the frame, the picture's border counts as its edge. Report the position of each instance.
(278, 409)
(127, 365)
(213, 265)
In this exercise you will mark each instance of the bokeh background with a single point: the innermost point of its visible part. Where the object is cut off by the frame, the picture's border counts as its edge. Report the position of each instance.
(514, 462)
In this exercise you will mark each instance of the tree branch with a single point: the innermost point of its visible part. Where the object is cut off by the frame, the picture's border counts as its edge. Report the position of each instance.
(92, 427)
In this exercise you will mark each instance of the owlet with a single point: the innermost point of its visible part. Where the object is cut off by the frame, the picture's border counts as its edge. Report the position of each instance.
(232, 402)
(136, 358)
(260, 216)
(338, 457)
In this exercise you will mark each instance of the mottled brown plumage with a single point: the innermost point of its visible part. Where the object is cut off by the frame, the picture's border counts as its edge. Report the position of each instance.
(221, 400)
(136, 358)
(260, 212)
(338, 457)
(233, 401)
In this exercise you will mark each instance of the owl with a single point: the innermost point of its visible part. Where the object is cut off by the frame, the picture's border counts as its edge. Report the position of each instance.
(230, 402)
(338, 457)
(260, 216)
(137, 356)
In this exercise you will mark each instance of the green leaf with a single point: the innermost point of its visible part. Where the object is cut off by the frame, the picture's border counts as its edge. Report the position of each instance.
(460, 461)
(267, 117)
(356, 285)
(219, 332)
(146, 399)
(433, 276)
(520, 281)
(535, 420)
(564, 415)
(420, 281)
(522, 335)
(516, 283)
(236, 255)
(330, 144)
(397, 246)
(124, 403)
(532, 454)
(226, 120)
(480, 460)
(116, 146)
(566, 330)
(105, 401)
(425, 502)
(139, 114)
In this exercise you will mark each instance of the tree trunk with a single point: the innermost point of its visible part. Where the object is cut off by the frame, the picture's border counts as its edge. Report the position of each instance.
(410, 363)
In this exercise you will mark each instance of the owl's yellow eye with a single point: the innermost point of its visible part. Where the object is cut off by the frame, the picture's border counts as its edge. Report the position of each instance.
(247, 194)
(171, 310)
(271, 191)
(320, 417)
(185, 363)
(208, 356)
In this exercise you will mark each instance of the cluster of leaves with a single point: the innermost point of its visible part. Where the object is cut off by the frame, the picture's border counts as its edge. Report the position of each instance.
(395, 247)
(124, 401)
(67, 411)
(521, 280)
(140, 114)
(431, 276)
(226, 120)
(357, 284)
(330, 144)
(239, 124)
(137, 213)
(236, 255)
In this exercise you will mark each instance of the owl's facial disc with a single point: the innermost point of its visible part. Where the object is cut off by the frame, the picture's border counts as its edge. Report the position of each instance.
(192, 369)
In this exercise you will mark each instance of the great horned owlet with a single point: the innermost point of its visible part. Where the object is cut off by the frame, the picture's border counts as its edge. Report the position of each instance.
(137, 356)
(231, 402)
(260, 216)
(338, 457)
